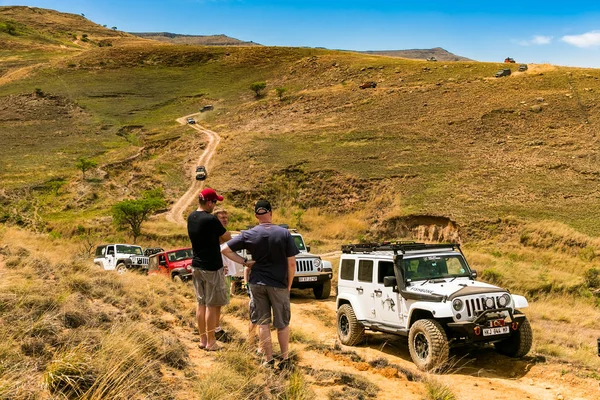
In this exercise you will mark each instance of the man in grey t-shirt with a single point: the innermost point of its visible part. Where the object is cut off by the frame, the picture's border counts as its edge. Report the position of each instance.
(271, 277)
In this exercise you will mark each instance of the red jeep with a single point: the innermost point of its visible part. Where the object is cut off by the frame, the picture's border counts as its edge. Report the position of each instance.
(177, 264)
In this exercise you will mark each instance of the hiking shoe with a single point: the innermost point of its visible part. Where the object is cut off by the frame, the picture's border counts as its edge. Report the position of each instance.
(285, 365)
(223, 336)
(268, 364)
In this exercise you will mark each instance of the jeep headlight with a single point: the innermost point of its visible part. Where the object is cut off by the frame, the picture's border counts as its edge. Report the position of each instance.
(317, 262)
(489, 302)
(504, 300)
(457, 304)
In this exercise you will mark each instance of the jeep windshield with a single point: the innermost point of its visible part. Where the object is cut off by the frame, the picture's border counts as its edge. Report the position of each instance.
(435, 267)
(127, 249)
(299, 243)
(179, 255)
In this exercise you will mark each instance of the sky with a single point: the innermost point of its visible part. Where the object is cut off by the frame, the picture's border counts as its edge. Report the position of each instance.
(556, 32)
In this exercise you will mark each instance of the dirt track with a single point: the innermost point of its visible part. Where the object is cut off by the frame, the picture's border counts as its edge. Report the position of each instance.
(175, 214)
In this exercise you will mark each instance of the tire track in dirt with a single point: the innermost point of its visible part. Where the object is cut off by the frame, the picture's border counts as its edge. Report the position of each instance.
(175, 214)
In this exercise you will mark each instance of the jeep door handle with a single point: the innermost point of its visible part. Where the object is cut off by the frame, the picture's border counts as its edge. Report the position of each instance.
(377, 292)
(360, 289)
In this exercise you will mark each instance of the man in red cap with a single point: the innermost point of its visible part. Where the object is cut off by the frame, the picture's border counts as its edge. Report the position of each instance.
(206, 232)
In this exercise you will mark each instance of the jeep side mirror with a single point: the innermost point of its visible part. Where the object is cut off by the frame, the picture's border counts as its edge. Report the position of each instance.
(308, 248)
(389, 281)
(473, 274)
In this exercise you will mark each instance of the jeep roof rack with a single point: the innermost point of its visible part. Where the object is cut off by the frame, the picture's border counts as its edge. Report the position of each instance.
(395, 247)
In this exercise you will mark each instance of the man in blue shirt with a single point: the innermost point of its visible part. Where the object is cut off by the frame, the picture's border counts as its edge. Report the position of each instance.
(272, 272)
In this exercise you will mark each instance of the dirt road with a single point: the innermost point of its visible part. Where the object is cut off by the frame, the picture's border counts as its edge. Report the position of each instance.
(175, 214)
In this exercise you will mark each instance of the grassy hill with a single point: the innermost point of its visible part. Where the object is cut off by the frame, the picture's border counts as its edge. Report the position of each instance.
(420, 54)
(199, 40)
(437, 151)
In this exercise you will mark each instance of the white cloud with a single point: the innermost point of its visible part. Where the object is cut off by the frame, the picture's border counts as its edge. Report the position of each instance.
(536, 41)
(589, 39)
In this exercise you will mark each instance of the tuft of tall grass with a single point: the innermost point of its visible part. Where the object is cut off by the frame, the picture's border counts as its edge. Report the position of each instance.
(436, 390)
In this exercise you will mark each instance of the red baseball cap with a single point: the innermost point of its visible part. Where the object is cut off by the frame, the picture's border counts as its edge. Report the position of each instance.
(209, 194)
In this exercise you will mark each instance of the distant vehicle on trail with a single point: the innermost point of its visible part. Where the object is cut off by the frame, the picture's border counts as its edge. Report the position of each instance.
(431, 59)
(368, 85)
(207, 108)
(523, 67)
(502, 72)
(201, 173)
(509, 60)
(191, 120)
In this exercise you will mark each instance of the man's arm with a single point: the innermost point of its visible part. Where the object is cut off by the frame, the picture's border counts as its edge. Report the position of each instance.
(225, 237)
(291, 271)
(235, 257)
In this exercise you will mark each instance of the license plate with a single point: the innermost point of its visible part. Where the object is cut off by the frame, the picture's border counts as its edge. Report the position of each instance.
(495, 331)
(307, 279)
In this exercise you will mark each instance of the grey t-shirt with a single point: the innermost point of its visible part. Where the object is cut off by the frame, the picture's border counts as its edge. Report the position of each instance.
(270, 246)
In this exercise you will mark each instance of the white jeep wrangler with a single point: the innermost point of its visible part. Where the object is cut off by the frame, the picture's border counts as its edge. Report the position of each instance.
(311, 270)
(120, 257)
(428, 293)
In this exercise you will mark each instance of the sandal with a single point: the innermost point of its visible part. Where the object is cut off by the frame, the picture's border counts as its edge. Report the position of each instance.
(214, 347)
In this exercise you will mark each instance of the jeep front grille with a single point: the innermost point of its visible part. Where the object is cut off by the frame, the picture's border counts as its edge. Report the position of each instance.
(476, 305)
(140, 260)
(304, 265)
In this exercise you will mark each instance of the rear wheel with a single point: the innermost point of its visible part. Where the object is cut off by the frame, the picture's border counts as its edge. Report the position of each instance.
(350, 331)
(428, 345)
(518, 344)
(322, 291)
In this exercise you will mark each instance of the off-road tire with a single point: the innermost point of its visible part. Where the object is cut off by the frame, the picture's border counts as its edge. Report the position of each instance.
(177, 279)
(350, 331)
(322, 291)
(428, 345)
(518, 344)
(121, 268)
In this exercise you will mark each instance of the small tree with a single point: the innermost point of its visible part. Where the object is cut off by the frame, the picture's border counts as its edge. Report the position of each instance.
(84, 164)
(134, 212)
(114, 28)
(280, 92)
(258, 87)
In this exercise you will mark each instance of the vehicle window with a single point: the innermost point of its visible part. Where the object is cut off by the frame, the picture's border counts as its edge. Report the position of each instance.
(110, 250)
(181, 255)
(455, 267)
(431, 267)
(347, 270)
(127, 249)
(386, 268)
(172, 257)
(365, 270)
(299, 242)
(100, 251)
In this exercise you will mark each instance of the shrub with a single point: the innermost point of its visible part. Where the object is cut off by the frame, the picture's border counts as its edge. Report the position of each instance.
(592, 278)
(491, 276)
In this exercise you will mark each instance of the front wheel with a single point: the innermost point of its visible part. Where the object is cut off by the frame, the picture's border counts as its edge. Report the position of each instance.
(518, 344)
(177, 279)
(322, 291)
(428, 345)
(121, 268)
(350, 331)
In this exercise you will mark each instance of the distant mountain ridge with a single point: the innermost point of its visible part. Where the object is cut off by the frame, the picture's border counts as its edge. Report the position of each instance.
(201, 40)
(420, 54)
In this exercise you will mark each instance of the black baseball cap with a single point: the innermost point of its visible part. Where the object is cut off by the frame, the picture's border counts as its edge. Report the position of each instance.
(262, 207)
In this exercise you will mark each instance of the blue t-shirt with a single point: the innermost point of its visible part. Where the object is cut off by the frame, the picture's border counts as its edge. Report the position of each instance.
(270, 246)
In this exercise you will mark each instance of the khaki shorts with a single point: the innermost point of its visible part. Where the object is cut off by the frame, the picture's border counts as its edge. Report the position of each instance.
(263, 299)
(210, 287)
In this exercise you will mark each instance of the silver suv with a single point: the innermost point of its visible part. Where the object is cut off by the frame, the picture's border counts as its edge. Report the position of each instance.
(428, 293)
(120, 257)
(311, 271)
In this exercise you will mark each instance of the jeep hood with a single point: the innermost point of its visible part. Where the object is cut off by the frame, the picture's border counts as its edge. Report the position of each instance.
(450, 290)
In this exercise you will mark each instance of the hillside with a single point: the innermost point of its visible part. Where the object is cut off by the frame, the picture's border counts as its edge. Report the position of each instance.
(420, 54)
(200, 40)
(436, 152)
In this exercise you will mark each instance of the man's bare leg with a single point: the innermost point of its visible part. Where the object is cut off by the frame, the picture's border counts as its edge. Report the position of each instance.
(264, 334)
(211, 324)
(283, 337)
(201, 322)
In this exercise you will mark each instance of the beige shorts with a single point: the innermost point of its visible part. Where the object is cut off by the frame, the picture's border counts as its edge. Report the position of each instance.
(210, 287)
(263, 299)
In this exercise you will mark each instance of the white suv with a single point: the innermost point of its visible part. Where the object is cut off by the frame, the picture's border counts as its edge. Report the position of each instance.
(428, 293)
(120, 257)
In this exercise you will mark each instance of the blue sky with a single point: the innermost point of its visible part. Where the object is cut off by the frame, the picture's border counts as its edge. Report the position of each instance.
(562, 33)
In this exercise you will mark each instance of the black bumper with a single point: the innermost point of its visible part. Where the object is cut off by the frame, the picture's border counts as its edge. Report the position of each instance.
(473, 330)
